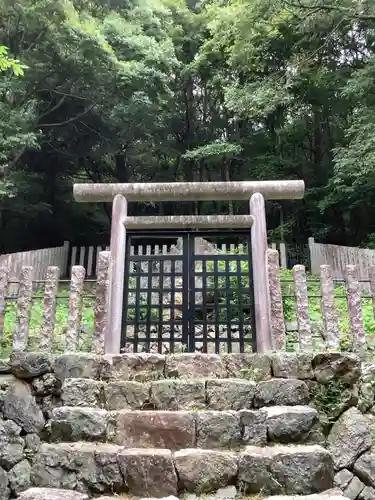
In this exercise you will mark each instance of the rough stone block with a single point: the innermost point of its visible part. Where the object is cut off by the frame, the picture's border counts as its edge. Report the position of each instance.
(178, 394)
(292, 365)
(140, 367)
(332, 494)
(250, 366)
(364, 467)
(154, 429)
(367, 493)
(4, 489)
(51, 494)
(78, 423)
(87, 467)
(19, 477)
(344, 367)
(343, 478)
(230, 394)
(283, 392)
(149, 472)
(292, 470)
(126, 395)
(11, 444)
(253, 423)
(349, 437)
(291, 424)
(203, 471)
(218, 429)
(78, 365)
(194, 365)
(28, 365)
(46, 385)
(20, 406)
(354, 488)
(82, 392)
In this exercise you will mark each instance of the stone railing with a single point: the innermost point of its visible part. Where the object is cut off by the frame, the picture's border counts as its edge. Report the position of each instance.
(355, 338)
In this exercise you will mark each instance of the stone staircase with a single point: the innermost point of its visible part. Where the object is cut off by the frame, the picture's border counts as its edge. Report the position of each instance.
(151, 426)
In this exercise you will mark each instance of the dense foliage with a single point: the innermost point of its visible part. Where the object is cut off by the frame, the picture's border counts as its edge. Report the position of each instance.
(139, 90)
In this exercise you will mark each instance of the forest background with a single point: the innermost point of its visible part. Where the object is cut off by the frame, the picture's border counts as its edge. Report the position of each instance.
(175, 90)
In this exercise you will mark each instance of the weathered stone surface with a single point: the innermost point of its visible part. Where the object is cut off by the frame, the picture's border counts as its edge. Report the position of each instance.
(20, 406)
(367, 493)
(364, 467)
(4, 489)
(46, 385)
(292, 470)
(344, 367)
(332, 494)
(149, 472)
(343, 478)
(154, 429)
(230, 394)
(254, 425)
(354, 488)
(49, 403)
(349, 438)
(203, 471)
(32, 444)
(78, 423)
(87, 467)
(28, 365)
(128, 394)
(51, 494)
(194, 365)
(218, 429)
(250, 366)
(11, 444)
(140, 367)
(283, 392)
(291, 424)
(292, 365)
(82, 392)
(366, 396)
(79, 365)
(178, 394)
(4, 366)
(19, 477)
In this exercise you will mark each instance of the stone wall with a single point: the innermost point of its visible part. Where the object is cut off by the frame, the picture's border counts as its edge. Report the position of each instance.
(214, 402)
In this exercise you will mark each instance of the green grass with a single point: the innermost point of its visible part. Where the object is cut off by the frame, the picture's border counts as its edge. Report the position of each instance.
(87, 325)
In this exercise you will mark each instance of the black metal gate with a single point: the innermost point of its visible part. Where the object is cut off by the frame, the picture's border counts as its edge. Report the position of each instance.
(182, 295)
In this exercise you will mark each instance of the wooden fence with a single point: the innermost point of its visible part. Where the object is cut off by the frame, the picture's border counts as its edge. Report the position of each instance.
(356, 338)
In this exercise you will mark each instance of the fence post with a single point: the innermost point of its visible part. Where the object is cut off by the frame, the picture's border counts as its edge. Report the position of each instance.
(101, 302)
(328, 308)
(276, 301)
(355, 308)
(64, 267)
(283, 256)
(25, 292)
(49, 308)
(371, 273)
(311, 243)
(116, 286)
(75, 307)
(302, 303)
(259, 248)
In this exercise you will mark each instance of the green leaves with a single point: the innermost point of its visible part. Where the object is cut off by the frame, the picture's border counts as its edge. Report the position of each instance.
(8, 63)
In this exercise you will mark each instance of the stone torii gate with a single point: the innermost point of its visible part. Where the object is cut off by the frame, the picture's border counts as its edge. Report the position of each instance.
(121, 194)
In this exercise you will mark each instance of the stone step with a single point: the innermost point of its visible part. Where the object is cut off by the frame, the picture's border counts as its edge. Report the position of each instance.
(101, 469)
(332, 494)
(176, 394)
(186, 429)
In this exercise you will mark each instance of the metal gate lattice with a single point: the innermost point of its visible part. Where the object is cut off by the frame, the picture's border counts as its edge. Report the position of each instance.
(188, 300)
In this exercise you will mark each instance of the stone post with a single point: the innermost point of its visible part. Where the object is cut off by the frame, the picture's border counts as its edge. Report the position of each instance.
(276, 301)
(302, 306)
(353, 291)
(328, 308)
(49, 308)
(3, 294)
(259, 248)
(25, 291)
(116, 284)
(75, 307)
(101, 302)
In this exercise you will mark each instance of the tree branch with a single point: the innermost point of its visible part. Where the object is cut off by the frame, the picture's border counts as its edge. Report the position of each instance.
(70, 120)
(330, 8)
